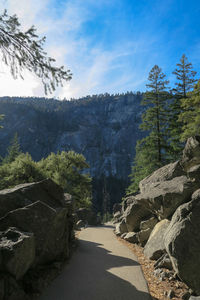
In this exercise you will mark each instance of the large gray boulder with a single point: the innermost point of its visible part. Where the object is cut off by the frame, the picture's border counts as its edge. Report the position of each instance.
(155, 246)
(17, 252)
(50, 229)
(37, 229)
(164, 197)
(22, 195)
(182, 242)
(191, 153)
(165, 173)
(134, 214)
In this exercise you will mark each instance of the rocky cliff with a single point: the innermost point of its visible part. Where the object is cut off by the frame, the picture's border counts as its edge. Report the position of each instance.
(103, 128)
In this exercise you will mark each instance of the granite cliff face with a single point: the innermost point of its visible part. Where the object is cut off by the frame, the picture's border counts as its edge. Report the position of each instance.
(103, 128)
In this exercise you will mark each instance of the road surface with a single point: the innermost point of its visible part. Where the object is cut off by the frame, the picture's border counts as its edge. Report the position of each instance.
(101, 268)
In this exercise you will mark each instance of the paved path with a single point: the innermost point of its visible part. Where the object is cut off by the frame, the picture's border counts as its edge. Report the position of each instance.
(101, 268)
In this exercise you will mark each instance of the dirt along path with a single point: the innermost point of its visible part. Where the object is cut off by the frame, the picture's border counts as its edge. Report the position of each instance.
(101, 268)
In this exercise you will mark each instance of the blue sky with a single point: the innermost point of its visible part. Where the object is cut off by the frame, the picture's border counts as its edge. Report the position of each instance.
(109, 45)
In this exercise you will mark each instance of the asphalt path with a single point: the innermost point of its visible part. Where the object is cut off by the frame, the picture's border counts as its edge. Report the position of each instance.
(102, 268)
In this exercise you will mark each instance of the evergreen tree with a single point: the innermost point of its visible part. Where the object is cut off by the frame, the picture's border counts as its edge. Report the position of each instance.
(185, 77)
(154, 119)
(185, 81)
(24, 50)
(151, 151)
(190, 115)
(13, 150)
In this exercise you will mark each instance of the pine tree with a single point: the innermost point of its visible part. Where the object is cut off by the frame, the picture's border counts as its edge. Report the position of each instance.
(185, 81)
(185, 76)
(190, 115)
(13, 150)
(24, 50)
(151, 150)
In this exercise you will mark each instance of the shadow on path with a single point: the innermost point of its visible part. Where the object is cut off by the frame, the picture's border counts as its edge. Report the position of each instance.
(88, 277)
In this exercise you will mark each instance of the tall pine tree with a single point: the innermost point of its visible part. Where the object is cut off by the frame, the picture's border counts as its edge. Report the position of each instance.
(185, 77)
(151, 150)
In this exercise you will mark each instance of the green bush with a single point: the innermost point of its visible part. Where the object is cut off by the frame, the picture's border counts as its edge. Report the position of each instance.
(65, 168)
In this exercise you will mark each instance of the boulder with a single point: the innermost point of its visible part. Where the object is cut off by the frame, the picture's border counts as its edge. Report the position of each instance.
(37, 230)
(191, 153)
(164, 197)
(148, 224)
(182, 242)
(22, 195)
(155, 246)
(131, 237)
(134, 214)
(143, 236)
(17, 252)
(165, 173)
(49, 226)
(121, 228)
